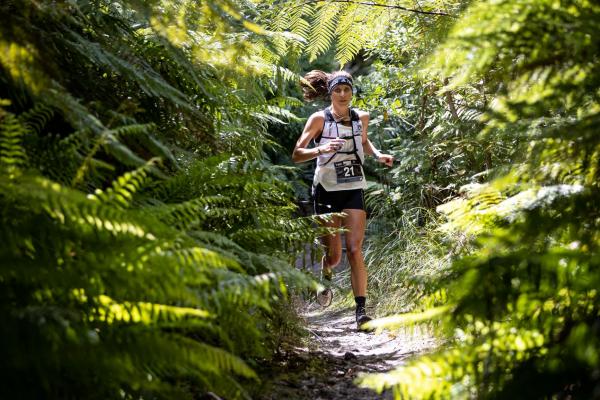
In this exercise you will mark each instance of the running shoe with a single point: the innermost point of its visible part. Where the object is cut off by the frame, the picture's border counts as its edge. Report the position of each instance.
(362, 318)
(325, 296)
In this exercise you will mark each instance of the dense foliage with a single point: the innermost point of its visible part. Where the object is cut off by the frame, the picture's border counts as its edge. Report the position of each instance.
(144, 241)
(490, 222)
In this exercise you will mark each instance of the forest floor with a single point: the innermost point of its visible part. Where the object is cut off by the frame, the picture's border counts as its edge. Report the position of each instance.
(325, 365)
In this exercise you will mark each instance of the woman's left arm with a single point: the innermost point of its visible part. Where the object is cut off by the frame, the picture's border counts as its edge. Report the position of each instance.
(368, 147)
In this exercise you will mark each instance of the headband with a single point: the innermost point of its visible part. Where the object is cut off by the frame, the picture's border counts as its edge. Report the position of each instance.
(338, 80)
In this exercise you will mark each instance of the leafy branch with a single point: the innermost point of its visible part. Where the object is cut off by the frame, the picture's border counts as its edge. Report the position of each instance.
(372, 4)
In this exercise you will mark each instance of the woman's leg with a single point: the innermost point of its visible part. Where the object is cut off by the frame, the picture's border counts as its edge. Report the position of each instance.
(332, 257)
(332, 244)
(355, 222)
(323, 203)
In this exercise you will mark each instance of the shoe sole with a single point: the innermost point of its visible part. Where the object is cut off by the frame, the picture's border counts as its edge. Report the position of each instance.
(360, 325)
(325, 297)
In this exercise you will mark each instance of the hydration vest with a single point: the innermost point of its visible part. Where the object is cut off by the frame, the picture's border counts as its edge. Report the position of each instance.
(341, 170)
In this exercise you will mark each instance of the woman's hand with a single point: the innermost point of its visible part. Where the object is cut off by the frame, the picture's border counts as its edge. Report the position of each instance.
(386, 159)
(331, 147)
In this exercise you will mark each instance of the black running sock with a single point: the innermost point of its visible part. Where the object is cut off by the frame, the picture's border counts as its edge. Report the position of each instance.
(361, 312)
(360, 306)
(360, 301)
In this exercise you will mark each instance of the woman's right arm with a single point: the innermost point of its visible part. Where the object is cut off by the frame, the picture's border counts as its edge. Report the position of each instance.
(313, 127)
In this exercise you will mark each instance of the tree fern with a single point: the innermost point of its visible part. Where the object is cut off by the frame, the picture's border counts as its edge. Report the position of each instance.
(298, 19)
(348, 25)
(350, 39)
(84, 223)
(323, 33)
(122, 275)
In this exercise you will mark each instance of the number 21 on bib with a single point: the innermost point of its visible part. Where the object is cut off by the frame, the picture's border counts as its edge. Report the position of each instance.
(348, 171)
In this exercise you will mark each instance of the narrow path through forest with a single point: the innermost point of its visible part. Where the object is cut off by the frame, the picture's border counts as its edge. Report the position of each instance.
(337, 353)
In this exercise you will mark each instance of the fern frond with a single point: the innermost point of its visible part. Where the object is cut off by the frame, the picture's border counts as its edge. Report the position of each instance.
(193, 213)
(244, 290)
(351, 36)
(119, 150)
(299, 18)
(257, 290)
(286, 101)
(125, 187)
(111, 311)
(134, 130)
(286, 74)
(37, 117)
(213, 358)
(148, 80)
(199, 258)
(12, 132)
(231, 9)
(324, 27)
(283, 113)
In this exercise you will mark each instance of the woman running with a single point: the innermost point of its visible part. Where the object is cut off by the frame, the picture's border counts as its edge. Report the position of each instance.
(340, 143)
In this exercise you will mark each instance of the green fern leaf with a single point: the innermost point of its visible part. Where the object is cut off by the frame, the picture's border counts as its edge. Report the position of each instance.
(350, 32)
(324, 27)
(124, 188)
(12, 132)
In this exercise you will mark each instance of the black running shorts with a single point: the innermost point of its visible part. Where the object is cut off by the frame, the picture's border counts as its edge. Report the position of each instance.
(336, 201)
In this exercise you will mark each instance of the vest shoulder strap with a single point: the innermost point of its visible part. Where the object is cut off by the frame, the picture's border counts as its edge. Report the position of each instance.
(328, 118)
(328, 115)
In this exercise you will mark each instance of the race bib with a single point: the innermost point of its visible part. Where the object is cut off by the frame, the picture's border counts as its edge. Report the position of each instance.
(348, 171)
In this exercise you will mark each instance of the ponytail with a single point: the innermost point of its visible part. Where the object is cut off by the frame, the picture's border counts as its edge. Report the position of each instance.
(314, 85)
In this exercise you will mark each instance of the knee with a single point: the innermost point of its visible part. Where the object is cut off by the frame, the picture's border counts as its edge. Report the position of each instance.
(353, 251)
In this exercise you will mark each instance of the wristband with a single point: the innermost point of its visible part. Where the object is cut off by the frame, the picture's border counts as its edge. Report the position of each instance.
(319, 150)
(376, 154)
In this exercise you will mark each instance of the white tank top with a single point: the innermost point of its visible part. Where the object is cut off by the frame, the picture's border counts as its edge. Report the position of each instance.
(341, 170)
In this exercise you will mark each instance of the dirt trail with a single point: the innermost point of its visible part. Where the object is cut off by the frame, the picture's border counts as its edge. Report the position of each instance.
(337, 352)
